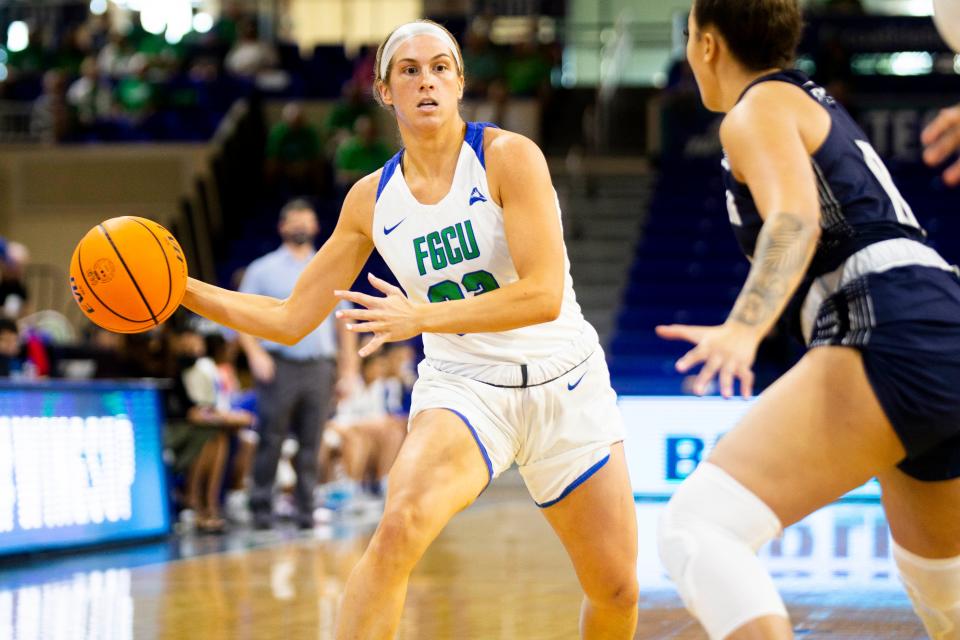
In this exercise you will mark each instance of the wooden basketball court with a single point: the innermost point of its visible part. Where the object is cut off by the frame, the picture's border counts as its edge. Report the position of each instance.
(496, 572)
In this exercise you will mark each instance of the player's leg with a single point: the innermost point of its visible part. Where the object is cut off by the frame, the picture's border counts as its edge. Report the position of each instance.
(815, 434)
(439, 471)
(924, 519)
(597, 523)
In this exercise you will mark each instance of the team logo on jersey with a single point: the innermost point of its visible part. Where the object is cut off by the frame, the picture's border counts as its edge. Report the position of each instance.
(476, 196)
(388, 230)
(449, 246)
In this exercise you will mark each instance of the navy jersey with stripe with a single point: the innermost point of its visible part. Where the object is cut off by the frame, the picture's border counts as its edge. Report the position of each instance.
(860, 205)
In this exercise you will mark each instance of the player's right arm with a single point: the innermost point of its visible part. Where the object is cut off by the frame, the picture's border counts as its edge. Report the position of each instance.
(335, 266)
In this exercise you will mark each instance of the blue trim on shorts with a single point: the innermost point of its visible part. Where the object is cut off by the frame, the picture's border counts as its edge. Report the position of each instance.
(576, 483)
(476, 437)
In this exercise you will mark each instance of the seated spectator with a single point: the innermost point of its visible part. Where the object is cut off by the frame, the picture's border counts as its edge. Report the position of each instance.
(340, 121)
(250, 56)
(90, 96)
(362, 436)
(51, 118)
(14, 297)
(199, 429)
(527, 72)
(21, 356)
(135, 94)
(361, 154)
(293, 152)
(11, 351)
(114, 60)
(483, 60)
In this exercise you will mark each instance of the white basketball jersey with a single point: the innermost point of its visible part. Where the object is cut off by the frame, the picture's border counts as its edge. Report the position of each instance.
(457, 248)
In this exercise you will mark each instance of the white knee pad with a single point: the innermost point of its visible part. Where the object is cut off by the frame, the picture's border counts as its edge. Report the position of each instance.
(709, 536)
(934, 589)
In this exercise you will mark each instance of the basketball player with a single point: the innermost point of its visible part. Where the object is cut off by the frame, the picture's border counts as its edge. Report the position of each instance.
(836, 248)
(468, 221)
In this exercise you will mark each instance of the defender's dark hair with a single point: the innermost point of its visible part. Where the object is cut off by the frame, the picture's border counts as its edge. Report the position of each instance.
(761, 34)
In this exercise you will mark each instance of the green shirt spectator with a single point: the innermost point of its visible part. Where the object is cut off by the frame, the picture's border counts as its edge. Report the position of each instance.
(361, 154)
(293, 142)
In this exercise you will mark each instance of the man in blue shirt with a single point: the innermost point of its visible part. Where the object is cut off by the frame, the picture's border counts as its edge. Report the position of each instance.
(294, 383)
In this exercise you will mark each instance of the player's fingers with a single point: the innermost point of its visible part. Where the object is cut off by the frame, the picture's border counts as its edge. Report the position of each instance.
(681, 332)
(945, 119)
(952, 175)
(940, 148)
(357, 298)
(373, 345)
(365, 327)
(690, 359)
(710, 368)
(356, 314)
(746, 383)
(384, 286)
(726, 380)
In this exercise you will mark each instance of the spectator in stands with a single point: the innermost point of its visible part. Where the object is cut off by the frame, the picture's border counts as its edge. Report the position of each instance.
(527, 72)
(294, 160)
(362, 436)
(11, 351)
(361, 154)
(30, 60)
(294, 383)
(250, 56)
(135, 94)
(14, 297)
(484, 61)
(114, 60)
(343, 116)
(90, 97)
(51, 118)
(363, 64)
(21, 355)
(200, 425)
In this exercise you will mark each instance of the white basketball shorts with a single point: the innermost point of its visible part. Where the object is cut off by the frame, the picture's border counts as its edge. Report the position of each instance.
(556, 419)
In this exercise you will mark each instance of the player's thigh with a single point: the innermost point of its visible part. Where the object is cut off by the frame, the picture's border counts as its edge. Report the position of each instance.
(924, 517)
(597, 524)
(439, 470)
(815, 434)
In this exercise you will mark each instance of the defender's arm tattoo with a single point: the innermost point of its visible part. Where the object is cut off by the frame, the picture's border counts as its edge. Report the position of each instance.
(784, 249)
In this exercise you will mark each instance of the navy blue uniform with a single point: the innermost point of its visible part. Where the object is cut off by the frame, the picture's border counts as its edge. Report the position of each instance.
(875, 285)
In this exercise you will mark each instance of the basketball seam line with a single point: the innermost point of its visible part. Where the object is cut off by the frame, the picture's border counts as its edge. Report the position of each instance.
(165, 261)
(129, 273)
(83, 275)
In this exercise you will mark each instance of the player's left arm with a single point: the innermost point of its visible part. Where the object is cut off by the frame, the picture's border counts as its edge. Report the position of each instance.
(764, 145)
(518, 173)
(766, 150)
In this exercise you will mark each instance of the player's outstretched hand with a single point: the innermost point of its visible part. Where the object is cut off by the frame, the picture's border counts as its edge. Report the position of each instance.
(941, 139)
(391, 318)
(728, 350)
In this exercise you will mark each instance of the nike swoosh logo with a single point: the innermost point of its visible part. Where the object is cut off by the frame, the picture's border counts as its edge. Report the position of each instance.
(387, 231)
(571, 387)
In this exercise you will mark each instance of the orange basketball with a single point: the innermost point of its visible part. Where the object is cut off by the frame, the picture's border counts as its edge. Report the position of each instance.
(128, 274)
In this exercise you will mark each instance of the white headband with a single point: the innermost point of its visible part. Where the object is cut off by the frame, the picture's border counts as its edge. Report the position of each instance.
(411, 30)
